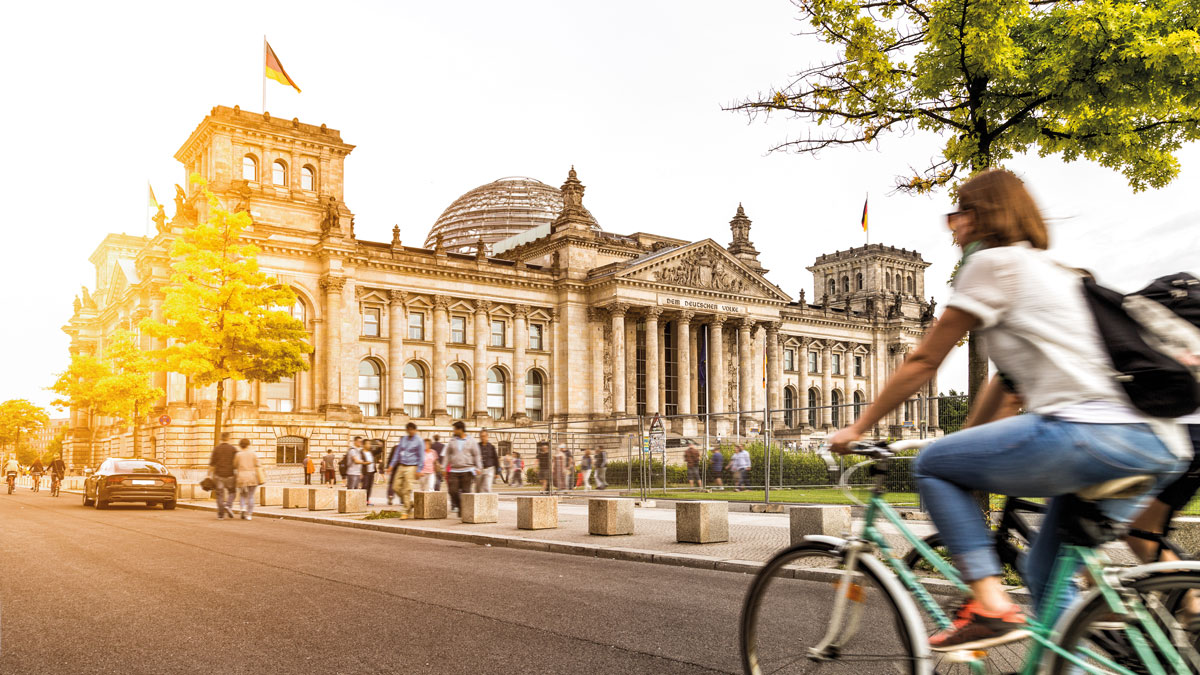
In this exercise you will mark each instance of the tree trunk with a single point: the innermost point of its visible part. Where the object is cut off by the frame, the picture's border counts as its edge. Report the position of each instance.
(217, 415)
(137, 440)
(977, 368)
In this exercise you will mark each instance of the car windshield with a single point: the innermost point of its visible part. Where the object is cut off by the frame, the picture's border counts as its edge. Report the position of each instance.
(134, 466)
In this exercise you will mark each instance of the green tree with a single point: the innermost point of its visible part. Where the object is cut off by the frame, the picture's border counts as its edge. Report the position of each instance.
(952, 411)
(18, 419)
(1114, 81)
(78, 389)
(219, 309)
(125, 391)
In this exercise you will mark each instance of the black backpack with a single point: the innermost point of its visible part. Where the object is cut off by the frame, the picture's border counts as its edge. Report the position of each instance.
(1149, 348)
(344, 464)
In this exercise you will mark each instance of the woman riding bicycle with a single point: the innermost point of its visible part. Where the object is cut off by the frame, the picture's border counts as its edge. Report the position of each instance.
(1079, 429)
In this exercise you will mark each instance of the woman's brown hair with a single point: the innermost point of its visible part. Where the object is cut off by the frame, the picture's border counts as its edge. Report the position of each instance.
(1004, 211)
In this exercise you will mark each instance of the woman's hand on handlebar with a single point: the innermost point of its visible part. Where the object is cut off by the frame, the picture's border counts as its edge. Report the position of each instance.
(841, 441)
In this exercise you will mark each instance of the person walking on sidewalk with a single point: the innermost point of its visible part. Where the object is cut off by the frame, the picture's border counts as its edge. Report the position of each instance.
(740, 466)
(429, 468)
(560, 467)
(223, 475)
(506, 468)
(245, 463)
(407, 458)
(354, 464)
(462, 464)
(490, 462)
(568, 467)
(516, 477)
(440, 449)
(309, 468)
(585, 467)
(329, 468)
(600, 464)
(691, 457)
(368, 467)
(718, 465)
(544, 465)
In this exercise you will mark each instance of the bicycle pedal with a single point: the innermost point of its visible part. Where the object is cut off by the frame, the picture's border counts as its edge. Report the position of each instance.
(964, 656)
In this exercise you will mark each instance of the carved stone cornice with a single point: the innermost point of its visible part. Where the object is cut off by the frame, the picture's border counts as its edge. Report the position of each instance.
(396, 297)
(441, 302)
(520, 311)
(332, 284)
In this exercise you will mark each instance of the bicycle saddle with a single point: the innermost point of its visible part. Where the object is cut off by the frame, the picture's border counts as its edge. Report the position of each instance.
(1120, 488)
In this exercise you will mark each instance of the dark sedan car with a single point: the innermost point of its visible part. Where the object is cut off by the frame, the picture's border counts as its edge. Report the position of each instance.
(130, 480)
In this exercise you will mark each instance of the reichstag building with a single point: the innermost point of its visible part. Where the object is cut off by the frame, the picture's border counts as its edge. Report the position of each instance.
(518, 309)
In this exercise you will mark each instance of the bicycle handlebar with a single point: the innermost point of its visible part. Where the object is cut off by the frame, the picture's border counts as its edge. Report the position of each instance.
(883, 449)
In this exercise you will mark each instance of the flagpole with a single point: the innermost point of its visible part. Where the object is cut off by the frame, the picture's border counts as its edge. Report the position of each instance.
(262, 70)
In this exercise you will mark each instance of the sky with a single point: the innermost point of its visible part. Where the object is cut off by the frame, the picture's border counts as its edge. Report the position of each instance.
(440, 98)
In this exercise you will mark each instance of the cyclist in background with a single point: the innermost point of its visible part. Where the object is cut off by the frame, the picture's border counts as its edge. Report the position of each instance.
(1079, 430)
(36, 471)
(12, 469)
(58, 469)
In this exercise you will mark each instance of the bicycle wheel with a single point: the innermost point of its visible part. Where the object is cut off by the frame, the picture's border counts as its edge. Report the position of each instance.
(1166, 595)
(789, 611)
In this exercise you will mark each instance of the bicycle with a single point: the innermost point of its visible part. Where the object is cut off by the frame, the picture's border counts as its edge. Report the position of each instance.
(12, 482)
(872, 595)
(37, 482)
(55, 484)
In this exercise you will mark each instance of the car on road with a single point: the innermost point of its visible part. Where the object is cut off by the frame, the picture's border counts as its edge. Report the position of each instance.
(122, 479)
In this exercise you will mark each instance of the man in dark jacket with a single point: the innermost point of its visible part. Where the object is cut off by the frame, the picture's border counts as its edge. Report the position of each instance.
(490, 461)
(600, 463)
(221, 463)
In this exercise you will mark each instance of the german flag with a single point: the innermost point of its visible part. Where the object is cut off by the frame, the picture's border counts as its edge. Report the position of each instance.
(864, 223)
(275, 69)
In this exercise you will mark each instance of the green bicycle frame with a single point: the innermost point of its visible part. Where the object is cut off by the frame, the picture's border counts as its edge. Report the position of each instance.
(1041, 629)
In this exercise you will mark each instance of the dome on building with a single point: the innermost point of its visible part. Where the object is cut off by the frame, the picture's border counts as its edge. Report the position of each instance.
(495, 212)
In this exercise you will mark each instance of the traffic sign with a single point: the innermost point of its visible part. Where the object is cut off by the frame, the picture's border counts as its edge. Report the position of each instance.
(164, 420)
(646, 444)
(658, 436)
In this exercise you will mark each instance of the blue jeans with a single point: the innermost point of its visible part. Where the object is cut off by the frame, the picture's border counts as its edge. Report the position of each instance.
(1031, 456)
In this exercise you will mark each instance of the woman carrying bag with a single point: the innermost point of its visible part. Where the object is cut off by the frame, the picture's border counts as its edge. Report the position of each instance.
(250, 474)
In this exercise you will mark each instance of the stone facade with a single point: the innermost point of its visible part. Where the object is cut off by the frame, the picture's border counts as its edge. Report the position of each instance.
(578, 325)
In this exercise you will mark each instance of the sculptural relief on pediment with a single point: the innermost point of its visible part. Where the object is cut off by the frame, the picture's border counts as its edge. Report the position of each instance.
(700, 269)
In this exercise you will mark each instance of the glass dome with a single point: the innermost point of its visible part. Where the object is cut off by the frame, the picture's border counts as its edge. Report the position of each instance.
(494, 212)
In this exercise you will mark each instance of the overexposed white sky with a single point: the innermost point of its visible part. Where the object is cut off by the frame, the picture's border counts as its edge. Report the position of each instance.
(443, 97)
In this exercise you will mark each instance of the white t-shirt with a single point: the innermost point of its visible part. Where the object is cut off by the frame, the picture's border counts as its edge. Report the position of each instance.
(1037, 328)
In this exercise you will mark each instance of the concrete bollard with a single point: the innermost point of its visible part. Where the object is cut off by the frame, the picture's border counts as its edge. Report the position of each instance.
(183, 491)
(818, 519)
(295, 498)
(702, 522)
(610, 516)
(322, 500)
(480, 507)
(270, 495)
(430, 505)
(537, 513)
(351, 501)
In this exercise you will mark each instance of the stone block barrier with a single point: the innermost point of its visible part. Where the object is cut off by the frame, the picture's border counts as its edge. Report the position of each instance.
(828, 519)
(430, 505)
(701, 522)
(351, 501)
(270, 495)
(537, 512)
(295, 497)
(610, 516)
(322, 499)
(480, 507)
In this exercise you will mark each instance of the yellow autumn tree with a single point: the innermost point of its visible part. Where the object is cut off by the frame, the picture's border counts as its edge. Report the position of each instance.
(220, 311)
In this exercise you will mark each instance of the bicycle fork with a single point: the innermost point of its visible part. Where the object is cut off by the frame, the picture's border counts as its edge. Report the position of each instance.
(846, 592)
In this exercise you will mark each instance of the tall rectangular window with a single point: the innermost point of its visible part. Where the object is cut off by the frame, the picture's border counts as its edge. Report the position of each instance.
(813, 360)
(497, 333)
(535, 337)
(858, 366)
(371, 322)
(458, 330)
(416, 326)
(837, 364)
(789, 359)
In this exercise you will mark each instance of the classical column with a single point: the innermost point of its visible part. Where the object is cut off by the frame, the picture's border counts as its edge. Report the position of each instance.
(934, 417)
(745, 366)
(683, 353)
(652, 361)
(630, 374)
(827, 382)
(617, 312)
(333, 285)
(802, 367)
(773, 366)
(848, 383)
(520, 344)
(482, 309)
(441, 333)
(716, 366)
(396, 327)
(596, 340)
(559, 392)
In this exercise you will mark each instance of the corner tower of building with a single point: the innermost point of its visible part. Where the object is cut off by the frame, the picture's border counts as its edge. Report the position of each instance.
(873, 272)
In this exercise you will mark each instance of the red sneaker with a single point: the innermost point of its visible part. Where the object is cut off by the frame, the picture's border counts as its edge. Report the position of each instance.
(975, 628)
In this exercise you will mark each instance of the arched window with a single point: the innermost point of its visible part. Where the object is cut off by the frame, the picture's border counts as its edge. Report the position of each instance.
(290, 449)
(859, 280)
(279, 173)
(533, 395)
(814, 400)
(495, 393)
(414, 390)
(887, 281)
(249, 168)
(835, 400)
(456, 392)
(789, 405)
(845, 284)
(280, 396)
(368, 387)
(858, 404)
(899, 283)
(909, 285)
(833, 287)
(308, 178)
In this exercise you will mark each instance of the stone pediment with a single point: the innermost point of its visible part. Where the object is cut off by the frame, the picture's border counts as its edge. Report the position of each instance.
(704, 265)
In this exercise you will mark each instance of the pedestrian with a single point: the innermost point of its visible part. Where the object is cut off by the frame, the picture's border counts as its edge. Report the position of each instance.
(568, 467)
(462, 464)
(560, 467)
(506, 468)
(740, 466)
(490, 462)
(329, 468)
(368, 467)
(439, 448)
(718, 465)
(407, 458)
(691, 457)
(585, 467)
(429, 468)
(354, 464)
(310, 467)
(600, 464)
(223, 475)
(245, 464)
(544, 465)
(516, 478)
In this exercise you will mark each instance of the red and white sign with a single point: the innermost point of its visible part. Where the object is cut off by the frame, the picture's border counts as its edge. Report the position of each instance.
(164, 420)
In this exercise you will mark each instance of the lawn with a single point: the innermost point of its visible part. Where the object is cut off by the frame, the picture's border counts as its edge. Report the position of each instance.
(789, 496)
